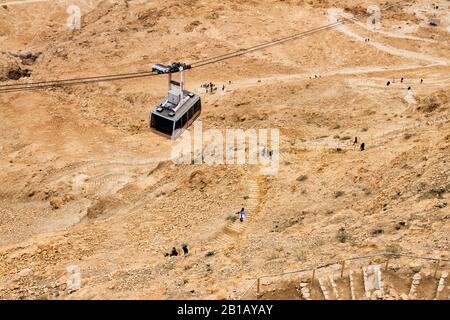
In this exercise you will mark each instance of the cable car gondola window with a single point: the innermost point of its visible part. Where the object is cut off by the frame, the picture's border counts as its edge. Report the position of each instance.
(185, 119)
(162, 124)
(197, 106)
(178, 124)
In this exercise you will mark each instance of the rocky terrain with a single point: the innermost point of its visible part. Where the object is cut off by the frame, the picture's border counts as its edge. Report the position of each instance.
(87, 188)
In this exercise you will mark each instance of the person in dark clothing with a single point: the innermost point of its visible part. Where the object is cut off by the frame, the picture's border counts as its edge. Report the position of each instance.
(409, 88)
(362, 147)
(421, 81)
(401, 80)
(270, 154)
(356, 140)
(223, 87)
(241, 215)
(185, 249)
(388, 83)
(174, 252)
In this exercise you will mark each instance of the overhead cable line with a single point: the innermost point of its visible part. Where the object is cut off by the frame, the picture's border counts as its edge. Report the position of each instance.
(115, 77)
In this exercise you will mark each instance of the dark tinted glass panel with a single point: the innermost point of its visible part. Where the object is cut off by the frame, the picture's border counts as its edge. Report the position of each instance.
(197, 106)
(162, 124)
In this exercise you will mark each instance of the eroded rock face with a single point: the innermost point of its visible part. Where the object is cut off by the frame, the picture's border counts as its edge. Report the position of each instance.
(437, 101)
(7, 63)
(27, 58)
(17, 73)
(10, 68)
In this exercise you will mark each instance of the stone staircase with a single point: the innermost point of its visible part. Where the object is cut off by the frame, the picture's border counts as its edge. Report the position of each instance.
(373, 283)
(234, 229)
(367, 282)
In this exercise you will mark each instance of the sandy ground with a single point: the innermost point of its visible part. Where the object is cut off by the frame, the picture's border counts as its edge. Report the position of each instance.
(85, 183)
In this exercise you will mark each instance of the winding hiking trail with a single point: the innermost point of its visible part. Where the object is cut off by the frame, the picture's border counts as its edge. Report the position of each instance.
(254, 198)
(335, 14)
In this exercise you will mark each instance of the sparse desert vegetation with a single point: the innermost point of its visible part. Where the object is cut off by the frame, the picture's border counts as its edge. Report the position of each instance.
(86, 188)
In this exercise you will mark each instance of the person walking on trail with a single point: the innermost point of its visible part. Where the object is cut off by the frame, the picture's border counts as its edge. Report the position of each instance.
(263, 152)
(270, 154)
(185, 249)
(174, 252)
(355, 143)
(421, 81)
(388, 83)
(241, 215)
(223, 87)
(362, 147)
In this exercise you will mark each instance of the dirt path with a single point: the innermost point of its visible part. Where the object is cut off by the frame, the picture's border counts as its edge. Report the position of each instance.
(335, 14)
(254, 198)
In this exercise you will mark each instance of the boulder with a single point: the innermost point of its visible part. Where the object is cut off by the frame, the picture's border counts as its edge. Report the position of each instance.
(56, 202)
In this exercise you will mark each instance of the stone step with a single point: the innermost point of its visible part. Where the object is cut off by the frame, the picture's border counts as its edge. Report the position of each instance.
(352, 285)
(373, 283)
(305, 291)
(224, 238)
(324, 289)
(414, 286)
(334, 287)
(236, 227)
(441, 285)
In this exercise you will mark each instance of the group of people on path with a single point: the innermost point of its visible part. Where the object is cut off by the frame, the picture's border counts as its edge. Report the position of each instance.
(174, 252)
(211, 87)
(401, 81)
(362, 146)
(265, 152)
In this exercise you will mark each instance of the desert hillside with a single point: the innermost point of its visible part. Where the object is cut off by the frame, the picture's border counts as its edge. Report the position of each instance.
(85, 183)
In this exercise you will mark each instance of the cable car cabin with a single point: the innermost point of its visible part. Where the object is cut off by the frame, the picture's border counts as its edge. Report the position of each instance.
(179, 109)
(170, 121)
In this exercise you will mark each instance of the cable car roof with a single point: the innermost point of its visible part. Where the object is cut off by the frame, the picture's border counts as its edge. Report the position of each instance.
(169, 114)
